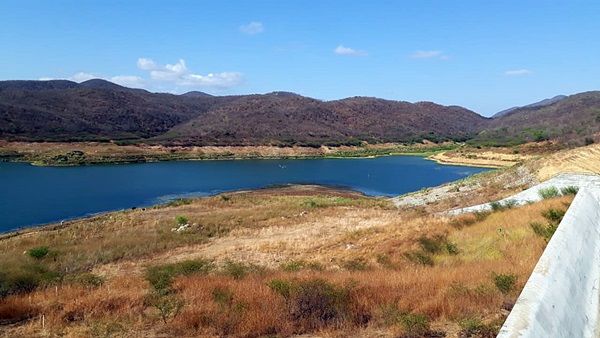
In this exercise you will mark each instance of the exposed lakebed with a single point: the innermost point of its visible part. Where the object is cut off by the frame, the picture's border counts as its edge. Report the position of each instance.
(31, 195)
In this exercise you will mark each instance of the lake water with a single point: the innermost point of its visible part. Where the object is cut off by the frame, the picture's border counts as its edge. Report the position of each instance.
(31, 195)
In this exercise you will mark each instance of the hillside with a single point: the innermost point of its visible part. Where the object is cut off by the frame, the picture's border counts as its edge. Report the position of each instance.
(573, 120)
(92, 110)
(99, 110)
(542, 103)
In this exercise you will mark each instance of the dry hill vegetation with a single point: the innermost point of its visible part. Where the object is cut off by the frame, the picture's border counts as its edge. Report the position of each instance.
(272, 263)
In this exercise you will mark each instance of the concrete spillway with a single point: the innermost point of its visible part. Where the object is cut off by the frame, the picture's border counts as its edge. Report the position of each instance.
(561, 298)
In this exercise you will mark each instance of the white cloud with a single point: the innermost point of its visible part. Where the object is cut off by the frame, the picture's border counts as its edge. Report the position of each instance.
(179, 75)
(342, 50)
(82, 76)
(429, 54)
(130, 81)
(518, 72)
(253, 28)
(169, 77)
(146, 64)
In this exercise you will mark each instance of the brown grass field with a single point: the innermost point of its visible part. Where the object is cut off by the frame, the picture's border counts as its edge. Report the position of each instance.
(270, 263)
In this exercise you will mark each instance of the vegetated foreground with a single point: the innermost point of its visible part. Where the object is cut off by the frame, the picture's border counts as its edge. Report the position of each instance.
(276, 262)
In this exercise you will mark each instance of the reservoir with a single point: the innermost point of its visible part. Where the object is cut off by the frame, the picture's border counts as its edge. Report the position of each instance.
(31, 195)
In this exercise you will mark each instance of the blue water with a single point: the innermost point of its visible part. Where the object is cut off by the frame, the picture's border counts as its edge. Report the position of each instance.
(31, 195)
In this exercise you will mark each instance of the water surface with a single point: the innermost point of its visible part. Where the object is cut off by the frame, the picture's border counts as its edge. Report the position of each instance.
(31, 195)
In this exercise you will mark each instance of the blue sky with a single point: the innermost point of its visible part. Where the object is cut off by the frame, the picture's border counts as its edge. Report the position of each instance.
(483, 55)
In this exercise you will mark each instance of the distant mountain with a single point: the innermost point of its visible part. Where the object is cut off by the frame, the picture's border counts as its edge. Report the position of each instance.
(196, 94)
(101, 110)
(542, 103)
(573, 119)
(93, 110)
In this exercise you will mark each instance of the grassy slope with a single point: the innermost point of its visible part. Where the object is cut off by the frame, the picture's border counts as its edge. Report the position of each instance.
(371, 256)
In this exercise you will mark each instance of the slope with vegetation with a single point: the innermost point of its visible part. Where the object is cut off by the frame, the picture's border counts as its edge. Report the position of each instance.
(98, 110)
(574, 120)
(299, 260)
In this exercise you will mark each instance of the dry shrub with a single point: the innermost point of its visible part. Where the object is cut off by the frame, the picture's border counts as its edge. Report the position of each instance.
(14, 309)
(221, 305)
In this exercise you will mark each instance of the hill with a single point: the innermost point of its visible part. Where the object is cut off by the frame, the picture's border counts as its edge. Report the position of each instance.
(541, 103)
(100, 110)
(92, 110)
(574, 120)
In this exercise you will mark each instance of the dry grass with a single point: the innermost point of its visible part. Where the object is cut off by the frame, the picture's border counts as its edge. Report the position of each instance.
(357, 246)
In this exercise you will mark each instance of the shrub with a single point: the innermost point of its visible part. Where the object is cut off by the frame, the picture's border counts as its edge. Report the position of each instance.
(554, 216)
(570, 190)
(419, 257)
(480, 216)
(168, 306)
(38, 252)
(181, 220)
(499, 206)
(357, 264)
(385, 261)
(281, 287)
(504, 282)
(544, 231)
(236, 270)
(161, 276)
(431, 245)
(414, 325)
(25, 279)
(474, 327)
(222, 296)
(316, 303)
(87, 279)
(179, 201)
(550, 192)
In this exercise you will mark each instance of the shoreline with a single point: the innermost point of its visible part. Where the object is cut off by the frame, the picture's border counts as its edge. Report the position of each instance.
(61, 224)
(93, 153)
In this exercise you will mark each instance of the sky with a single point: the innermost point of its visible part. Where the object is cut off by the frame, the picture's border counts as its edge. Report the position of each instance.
(484, 55)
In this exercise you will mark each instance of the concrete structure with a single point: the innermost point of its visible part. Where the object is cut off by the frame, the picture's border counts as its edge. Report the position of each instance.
(532, 194)
(561, 298)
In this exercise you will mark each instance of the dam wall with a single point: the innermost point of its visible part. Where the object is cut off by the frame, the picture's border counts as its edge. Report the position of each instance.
(561, 297)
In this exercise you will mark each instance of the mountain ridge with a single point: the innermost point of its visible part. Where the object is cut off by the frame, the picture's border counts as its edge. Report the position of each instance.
(99, 110)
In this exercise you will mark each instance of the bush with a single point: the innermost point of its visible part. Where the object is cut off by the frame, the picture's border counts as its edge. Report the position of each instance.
(504, 282)
(419, 257)
(550, 192)
(161, 276)
(544, 231)
(281, 287)
(554, 216)
(301, 265)
(315, 303)
(86, 279)
(25, 279)
(499, 206)
(570, 190)
(414, 325)
(181, 220)
(38, 252)
(474, 327)
(357, 264)
(168, 306)
(236, 270)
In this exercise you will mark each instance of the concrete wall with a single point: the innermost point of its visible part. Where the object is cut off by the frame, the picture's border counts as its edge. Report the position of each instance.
(561, 297)
(533, 193)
